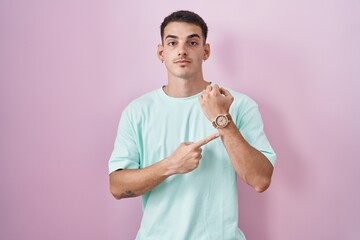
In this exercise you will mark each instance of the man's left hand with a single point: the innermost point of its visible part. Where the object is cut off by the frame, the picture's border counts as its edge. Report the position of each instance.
(215, 100)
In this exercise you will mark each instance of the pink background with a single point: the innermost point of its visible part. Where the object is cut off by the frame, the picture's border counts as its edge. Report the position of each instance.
(68, 68)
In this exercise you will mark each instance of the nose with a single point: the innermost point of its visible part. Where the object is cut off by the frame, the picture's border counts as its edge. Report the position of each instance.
(182, 50)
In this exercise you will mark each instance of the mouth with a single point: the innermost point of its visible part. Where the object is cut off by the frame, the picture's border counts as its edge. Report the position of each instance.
(182, 61)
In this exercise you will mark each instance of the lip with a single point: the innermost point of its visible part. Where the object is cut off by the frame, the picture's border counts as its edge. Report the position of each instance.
(182, 61)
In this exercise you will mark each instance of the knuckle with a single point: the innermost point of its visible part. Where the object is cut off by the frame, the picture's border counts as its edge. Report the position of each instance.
(195, 164)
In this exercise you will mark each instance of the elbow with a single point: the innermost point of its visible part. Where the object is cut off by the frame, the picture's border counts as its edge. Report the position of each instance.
(116, 194)
(116, 190)
(262, 185)
(115, 186)
(263, 180)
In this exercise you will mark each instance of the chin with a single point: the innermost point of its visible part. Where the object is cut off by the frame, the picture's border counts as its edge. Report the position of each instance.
(183, 74)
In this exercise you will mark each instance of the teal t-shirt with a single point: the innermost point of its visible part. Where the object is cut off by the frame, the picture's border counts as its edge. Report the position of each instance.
(201, 204)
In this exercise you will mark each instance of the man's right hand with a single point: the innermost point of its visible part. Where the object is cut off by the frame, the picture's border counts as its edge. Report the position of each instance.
(187, 156)
(136, 182)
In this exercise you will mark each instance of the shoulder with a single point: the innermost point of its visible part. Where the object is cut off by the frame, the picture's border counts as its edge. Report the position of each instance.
(244, 110)
(241, 100)
(141, 104)
(143, 100)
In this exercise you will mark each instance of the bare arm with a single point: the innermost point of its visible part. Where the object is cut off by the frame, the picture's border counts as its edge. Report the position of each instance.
(136, 182)
(250, 164)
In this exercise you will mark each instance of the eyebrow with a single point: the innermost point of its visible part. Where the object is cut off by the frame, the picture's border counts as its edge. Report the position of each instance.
(195, 35)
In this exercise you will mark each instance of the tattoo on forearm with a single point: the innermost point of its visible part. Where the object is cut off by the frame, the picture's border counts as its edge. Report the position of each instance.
(127, 194)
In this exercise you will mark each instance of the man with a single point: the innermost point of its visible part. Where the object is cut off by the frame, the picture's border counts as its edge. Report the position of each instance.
(167, 147)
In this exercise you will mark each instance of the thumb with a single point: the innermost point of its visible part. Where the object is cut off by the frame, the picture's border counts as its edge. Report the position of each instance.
(225, 92)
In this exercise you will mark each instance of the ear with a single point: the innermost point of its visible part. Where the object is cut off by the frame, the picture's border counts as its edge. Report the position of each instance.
(206, 51)
(160, 51)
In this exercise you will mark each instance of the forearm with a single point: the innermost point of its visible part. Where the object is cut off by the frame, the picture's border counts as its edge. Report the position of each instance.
(135, 182)
(250, 164)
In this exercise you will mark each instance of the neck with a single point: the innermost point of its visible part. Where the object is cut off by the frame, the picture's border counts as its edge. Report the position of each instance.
(180, 87)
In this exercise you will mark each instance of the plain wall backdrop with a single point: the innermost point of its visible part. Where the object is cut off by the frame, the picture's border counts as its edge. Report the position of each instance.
(68, 69)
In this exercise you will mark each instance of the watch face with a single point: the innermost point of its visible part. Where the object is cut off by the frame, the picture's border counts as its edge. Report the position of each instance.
(221, 121)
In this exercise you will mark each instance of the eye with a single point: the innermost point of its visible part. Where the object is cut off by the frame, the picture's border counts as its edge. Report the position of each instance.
(171, 43)
(193, 43)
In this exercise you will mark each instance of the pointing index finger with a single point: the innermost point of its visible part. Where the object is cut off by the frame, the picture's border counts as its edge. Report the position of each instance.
(206, 140)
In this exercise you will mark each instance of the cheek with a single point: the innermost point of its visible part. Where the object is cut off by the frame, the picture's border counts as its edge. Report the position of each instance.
(169, 55)
(200, 55)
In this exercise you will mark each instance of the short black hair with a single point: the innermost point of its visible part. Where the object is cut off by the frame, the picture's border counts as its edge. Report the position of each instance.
(184, 16)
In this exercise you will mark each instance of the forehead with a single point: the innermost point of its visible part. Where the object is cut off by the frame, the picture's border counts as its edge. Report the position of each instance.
(182, 29)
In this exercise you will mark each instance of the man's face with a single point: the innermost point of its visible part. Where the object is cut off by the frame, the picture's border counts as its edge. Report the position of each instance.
(183, 50)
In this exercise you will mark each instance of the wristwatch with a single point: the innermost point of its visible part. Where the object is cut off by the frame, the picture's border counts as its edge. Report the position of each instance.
(221, 121)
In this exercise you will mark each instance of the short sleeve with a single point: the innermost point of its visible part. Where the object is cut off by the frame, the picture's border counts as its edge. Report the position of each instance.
(249, 122)
(125, 154)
